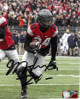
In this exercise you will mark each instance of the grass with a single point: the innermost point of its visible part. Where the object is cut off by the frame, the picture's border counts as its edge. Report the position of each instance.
(67, 78)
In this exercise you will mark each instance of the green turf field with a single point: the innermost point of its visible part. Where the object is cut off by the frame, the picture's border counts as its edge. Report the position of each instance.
(67, 78)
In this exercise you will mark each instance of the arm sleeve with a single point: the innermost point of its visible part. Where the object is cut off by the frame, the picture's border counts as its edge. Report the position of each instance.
(2, 31)
(53, 48)
(27, 41)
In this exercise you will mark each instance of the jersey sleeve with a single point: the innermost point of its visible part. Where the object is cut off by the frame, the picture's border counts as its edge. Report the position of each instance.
(54, 31)
(29, 31)
(3, 21)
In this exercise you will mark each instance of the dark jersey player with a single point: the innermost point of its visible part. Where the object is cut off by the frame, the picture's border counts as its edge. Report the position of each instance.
(7, 48)
(45, 33)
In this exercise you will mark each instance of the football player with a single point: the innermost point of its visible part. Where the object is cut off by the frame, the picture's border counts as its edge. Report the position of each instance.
(44, 32)
(7, 48)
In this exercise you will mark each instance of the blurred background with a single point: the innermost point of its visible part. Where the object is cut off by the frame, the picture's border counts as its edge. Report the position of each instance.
(66, 16)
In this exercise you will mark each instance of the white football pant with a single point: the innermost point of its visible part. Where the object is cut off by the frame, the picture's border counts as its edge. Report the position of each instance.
(29, 57)
(11, 54)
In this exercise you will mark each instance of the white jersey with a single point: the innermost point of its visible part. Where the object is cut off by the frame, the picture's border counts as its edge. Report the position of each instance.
(65, 39)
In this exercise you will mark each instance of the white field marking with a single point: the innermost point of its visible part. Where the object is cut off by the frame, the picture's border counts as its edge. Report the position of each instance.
(1, 76)
(59, 75)
(76, 63)
(70, 69)
(57, 56)
(4, 70)
(4, 61)
(38, 84)
(2, 65)
(59, 69)
(65, 57)
(65, 63)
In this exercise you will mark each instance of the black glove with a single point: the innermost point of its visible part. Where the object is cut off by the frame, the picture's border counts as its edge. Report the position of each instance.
(52, 65)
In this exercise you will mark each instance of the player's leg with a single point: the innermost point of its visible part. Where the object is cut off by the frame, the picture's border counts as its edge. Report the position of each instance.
(2, 55)
(12, 54)
(28, 57)
(40, 65)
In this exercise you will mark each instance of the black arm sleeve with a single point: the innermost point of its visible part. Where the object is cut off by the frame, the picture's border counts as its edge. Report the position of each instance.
(27, 41)
(53, 47)
(2, 31)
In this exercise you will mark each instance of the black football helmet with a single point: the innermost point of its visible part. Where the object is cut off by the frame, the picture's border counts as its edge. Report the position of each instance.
(45, 18)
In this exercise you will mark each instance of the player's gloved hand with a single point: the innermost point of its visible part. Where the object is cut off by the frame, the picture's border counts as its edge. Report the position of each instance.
(51, 65)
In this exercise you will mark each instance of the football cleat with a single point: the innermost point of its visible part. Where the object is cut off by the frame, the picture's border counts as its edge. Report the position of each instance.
(24, 93)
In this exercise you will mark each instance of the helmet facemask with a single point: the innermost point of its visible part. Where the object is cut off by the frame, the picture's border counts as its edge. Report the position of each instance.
(45, 18)
(45, 23)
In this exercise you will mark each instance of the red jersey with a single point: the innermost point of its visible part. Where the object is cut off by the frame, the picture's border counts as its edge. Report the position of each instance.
(43, 38)
(7, 41)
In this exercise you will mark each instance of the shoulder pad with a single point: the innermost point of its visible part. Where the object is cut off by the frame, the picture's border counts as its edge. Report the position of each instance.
(33, 26)
(53, 27)
(2, 21)
(31, 29)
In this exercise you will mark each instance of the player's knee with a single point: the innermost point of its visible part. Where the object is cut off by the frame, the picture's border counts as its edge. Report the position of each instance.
(21, 71)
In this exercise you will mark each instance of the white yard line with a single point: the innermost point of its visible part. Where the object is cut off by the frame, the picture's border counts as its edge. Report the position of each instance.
(38, 84)
(59, 75)
(57, 56)
(66, 62)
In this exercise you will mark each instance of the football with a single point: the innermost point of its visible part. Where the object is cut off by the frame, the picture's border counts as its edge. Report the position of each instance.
(34, 44)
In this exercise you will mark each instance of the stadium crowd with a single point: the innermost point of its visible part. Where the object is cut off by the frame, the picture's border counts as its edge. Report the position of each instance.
(66, 13)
